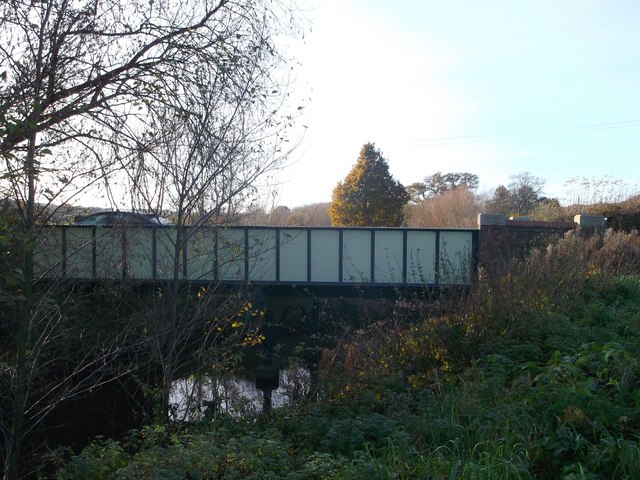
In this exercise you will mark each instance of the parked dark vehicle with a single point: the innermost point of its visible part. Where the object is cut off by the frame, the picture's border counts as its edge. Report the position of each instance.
(121, 218)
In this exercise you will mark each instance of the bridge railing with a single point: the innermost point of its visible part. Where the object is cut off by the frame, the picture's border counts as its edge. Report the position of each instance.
(260, 255)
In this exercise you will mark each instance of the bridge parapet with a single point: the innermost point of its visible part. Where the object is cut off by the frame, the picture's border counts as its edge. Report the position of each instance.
(502, 239)
(260, 255)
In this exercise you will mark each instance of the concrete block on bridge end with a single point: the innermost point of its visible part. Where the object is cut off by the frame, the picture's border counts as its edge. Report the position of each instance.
(590, 221)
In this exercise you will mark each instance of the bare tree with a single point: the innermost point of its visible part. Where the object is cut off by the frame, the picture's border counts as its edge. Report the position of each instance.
(83, 86)
(214, 141)
(521, 197)
(525, 191)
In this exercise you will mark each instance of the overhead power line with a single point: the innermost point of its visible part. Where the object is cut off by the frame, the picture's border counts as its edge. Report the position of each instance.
(467, 139)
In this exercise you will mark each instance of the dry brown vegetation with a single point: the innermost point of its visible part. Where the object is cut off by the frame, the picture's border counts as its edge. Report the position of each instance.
(313, 215)
(457, 208)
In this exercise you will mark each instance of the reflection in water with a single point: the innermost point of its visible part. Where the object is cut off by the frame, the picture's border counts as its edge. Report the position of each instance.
(196, 399)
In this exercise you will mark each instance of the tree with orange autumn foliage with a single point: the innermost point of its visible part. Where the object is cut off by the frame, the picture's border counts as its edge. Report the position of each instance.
(369, 196)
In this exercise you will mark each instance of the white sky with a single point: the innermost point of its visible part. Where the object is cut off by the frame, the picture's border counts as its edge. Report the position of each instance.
(495, 88)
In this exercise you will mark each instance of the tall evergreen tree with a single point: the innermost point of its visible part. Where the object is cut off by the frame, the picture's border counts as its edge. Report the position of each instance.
(369, 196)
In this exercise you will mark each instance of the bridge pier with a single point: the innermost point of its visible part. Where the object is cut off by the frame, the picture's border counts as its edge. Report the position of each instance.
(274, 303)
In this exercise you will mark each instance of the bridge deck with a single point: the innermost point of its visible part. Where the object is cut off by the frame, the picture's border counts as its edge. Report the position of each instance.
(312, 256)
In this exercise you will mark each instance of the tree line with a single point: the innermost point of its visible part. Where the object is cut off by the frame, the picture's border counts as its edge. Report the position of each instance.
(369, 196)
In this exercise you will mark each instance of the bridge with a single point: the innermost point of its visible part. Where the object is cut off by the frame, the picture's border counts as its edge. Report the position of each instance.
(332, 258)
(282, 264)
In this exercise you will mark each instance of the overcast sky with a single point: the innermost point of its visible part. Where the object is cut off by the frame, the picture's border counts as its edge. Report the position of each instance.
(492, 87)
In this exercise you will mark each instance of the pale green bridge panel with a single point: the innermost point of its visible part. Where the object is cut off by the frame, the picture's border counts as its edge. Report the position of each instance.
(421, 256)
(325, 258)
(356, 256)
(262, 255)
(456, 252)
(293, 255)
(201, 264)
(267, 255)
(388, 256)
(231, 254)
